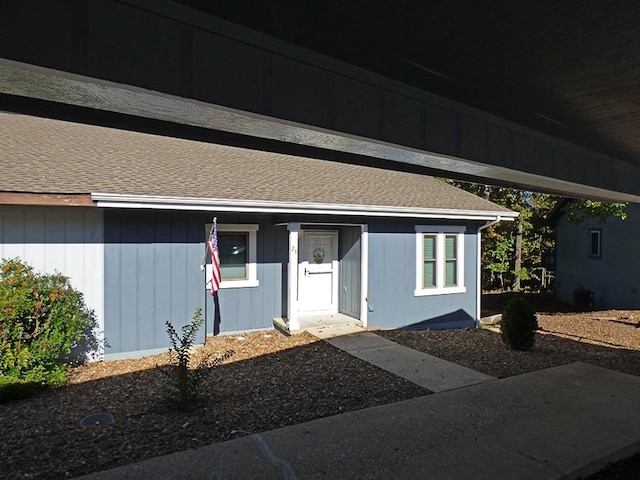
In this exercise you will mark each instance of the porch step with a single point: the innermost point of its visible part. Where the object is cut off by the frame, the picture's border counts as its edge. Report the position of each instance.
(331, 331)
(326, 323)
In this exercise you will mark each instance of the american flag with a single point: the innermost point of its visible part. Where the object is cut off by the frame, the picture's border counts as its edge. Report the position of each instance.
(216, 275)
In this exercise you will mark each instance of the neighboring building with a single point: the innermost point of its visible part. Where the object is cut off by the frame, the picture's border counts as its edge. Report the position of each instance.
(599, 259)
(126, 215)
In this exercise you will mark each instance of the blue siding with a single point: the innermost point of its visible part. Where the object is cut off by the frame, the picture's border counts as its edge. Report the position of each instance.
(613, 278)
(392, 272)
(349, 270)
(152, 275)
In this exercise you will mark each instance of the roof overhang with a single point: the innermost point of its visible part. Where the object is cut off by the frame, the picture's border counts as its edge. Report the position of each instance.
(31, 81)
(111, 200)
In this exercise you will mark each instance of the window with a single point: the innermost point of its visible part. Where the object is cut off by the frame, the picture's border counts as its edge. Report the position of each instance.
(439, 260)
(594, 243)
(237, 246)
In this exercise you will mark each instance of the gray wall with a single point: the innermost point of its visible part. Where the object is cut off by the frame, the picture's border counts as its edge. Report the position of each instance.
(614, 276)
(151, 265)
(152, 275)
(349, 271)
(392, 278)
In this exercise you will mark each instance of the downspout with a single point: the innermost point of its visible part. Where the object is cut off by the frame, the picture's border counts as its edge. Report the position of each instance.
(479, 266)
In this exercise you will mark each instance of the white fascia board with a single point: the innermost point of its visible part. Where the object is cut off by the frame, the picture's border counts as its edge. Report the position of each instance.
(113, 200)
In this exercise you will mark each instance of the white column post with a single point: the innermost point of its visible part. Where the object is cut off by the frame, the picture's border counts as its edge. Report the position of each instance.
(364, 274)
(292, 283)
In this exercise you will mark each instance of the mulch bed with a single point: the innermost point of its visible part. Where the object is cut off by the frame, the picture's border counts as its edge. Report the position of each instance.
(269, 382)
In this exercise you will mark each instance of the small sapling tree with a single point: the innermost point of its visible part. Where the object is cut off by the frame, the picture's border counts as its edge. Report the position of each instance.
(188, 383)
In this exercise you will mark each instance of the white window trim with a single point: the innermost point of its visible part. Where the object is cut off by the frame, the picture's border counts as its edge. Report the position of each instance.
(252, 268)
(440, 232)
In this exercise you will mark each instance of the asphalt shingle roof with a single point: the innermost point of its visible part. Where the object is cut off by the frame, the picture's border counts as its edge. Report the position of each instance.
(42, 155)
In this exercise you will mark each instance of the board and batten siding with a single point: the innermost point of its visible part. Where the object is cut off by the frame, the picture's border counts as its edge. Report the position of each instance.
(612, 277)
(152, 275)
(349, 270)
(67, 240)
(392, 279)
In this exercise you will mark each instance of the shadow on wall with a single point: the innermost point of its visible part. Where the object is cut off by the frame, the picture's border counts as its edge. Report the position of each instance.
(458, 319)
(90, 347)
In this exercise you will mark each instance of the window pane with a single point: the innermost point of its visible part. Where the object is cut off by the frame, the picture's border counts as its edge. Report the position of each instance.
(233, 255)
(450, 247)
(451, 279)
(594, 243)
(429, 275)
(429, 247)
(429, 261)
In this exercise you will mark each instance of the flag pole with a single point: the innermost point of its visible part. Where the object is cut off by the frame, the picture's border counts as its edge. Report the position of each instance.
(203, 268)
(206, 248)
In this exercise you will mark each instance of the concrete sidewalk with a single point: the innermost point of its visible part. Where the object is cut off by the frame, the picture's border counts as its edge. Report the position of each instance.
(427, 371)
(563, 422)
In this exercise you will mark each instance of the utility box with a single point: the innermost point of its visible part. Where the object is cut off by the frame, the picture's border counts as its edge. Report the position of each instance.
(583, 300)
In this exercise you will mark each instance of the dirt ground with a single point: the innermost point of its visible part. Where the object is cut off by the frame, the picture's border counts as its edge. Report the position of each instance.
(270, 381)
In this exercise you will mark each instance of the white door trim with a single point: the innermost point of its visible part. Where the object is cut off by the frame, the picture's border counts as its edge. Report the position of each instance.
(292, 285)
(364, 274)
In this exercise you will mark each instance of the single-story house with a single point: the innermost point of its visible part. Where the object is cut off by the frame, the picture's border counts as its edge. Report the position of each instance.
(597, 262)
(126, 215)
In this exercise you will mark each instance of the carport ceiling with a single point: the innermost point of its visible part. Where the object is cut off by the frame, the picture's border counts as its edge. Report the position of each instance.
(568, 68)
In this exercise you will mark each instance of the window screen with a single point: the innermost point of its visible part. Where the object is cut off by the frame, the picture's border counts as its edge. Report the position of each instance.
(429, 259)
(451, 261)
(594, 243)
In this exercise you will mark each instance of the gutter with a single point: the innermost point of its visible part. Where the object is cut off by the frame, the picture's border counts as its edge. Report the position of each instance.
(114, 200)
(498, 219)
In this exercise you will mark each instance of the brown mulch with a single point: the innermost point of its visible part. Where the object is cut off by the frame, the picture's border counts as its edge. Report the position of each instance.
(270, 381)
(607, 339)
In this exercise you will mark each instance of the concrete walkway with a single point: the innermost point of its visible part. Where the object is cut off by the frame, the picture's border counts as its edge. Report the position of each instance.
(427, 371)
(559, 423)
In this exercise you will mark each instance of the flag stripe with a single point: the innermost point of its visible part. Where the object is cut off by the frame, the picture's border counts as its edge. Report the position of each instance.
(216, 274)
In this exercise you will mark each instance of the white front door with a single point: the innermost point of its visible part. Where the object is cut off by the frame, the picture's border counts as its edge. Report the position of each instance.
(318, 272)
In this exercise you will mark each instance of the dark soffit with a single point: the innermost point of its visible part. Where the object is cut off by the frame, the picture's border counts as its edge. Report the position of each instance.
(571, 69)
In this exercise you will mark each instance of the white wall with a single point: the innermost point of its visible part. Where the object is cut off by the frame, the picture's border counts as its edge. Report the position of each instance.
(68, 240)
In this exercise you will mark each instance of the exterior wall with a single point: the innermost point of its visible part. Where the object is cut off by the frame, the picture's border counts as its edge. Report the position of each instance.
(349, 271)
(68, 240)
(152, 274)
(614, 276)
(392, 278)
(138, 269)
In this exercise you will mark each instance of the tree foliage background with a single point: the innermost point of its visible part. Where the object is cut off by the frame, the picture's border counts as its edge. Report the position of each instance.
(518, 255)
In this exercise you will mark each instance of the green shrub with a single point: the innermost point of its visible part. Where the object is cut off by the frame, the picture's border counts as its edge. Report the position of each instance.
(41, 318)
(519, 324)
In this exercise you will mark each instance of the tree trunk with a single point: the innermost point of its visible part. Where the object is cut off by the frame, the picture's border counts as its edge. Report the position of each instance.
(518, 256)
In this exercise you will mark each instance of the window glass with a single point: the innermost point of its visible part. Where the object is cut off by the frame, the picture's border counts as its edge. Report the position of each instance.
(233, 255)
(594, 243)
(429, 256)
(451, 262)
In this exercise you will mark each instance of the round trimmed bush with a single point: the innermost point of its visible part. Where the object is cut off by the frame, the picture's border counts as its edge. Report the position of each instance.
(519, 324)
